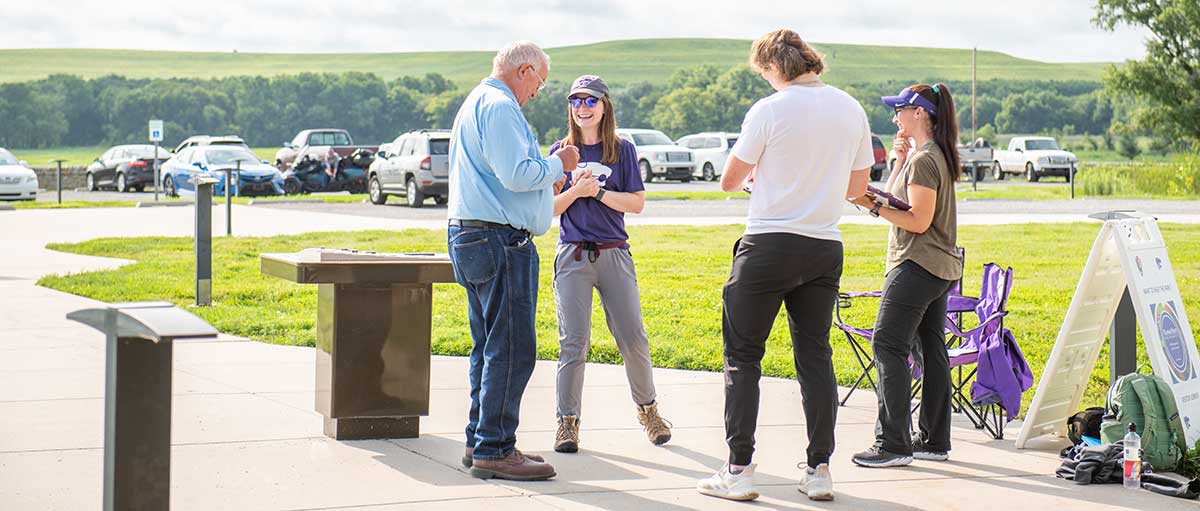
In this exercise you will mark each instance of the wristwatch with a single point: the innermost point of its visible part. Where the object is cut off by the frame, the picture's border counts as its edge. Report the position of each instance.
(600, 194)
(875, 210)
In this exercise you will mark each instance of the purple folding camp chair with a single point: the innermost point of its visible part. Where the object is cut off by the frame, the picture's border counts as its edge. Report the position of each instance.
(998, 373)
(859, 338)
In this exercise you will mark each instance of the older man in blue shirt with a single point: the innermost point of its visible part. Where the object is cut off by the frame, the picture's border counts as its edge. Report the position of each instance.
(501, 195)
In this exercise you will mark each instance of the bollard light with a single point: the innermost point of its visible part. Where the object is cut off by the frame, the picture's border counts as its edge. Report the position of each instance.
(58, 177)
(228, 202)
(204, 192)
(139, 343)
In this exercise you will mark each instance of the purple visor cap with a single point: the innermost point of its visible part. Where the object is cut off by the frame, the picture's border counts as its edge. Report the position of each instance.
(909, 98)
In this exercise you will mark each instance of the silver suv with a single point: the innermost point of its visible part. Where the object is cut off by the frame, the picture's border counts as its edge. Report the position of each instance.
(415, 165)
(658, 156)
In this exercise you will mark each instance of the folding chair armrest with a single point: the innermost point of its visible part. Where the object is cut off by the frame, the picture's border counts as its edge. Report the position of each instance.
(961, 303)
(964, 333)
(865, 294)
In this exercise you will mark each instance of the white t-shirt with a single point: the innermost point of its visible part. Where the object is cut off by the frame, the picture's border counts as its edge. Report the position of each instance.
(804, 142)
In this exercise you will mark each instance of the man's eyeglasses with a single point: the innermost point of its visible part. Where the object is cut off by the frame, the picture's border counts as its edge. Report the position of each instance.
(541, 82)
(589, 101)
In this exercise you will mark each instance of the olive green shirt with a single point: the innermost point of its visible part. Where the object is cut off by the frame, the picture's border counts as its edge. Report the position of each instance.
(935, 249)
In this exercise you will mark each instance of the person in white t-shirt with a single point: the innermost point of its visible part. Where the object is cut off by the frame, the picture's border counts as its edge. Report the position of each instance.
(803, 151)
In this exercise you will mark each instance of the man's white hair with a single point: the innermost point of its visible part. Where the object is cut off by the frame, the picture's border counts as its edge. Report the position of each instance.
(517, 54)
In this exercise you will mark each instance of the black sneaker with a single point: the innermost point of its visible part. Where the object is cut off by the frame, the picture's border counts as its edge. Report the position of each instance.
(876, 457)
(921, 451)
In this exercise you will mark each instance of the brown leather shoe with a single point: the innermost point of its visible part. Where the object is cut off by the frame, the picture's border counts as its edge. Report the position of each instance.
(514, 467)
(467, 461)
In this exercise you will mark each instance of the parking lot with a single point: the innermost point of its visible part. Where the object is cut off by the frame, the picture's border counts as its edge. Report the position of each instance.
(732, 209)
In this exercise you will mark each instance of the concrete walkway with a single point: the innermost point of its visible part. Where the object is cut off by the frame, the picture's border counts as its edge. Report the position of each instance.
(246, 436)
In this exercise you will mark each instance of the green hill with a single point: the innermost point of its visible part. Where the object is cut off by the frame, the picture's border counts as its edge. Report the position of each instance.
(618, 61)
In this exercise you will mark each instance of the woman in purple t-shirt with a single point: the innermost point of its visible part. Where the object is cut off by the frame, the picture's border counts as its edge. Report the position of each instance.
(593, 253)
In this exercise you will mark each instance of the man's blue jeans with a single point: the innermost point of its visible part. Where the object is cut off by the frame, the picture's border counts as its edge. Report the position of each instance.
(499, 268)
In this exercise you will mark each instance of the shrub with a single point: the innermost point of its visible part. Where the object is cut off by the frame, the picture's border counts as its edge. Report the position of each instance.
(1177, 178)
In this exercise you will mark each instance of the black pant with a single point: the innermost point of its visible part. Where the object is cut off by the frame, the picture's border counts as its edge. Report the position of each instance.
(912, 320)
(803, 274)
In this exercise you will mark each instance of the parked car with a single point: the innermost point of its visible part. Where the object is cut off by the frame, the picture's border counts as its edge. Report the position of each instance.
(974, 157)
(255, 177)
(416, 165)
(125, 167)
(881, 156)
(710, 149)
(17, 181)
(1035, 157)
(199, 140)
(338, 141)
(659, 156)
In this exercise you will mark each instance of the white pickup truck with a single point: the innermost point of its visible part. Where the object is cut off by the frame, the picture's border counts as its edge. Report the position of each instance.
(1035, 157)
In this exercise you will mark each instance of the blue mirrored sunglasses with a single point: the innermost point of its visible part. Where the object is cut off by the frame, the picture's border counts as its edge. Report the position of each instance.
(589, 101)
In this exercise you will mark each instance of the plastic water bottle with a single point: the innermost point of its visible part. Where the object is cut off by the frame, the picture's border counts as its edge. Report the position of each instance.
(1133, 458)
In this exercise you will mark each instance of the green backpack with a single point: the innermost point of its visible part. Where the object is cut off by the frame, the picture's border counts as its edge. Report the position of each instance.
(1146, 400)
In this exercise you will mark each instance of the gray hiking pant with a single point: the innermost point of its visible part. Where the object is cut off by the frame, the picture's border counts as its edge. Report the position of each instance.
(612, 274)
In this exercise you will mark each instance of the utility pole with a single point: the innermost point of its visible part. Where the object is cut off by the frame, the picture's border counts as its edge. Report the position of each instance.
(974, 51)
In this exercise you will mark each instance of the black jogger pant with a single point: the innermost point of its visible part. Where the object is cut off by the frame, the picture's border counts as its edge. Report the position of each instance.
(912, 320)
(801, 273)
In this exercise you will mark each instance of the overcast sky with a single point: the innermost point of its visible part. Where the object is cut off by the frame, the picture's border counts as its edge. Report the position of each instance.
(1047, 30)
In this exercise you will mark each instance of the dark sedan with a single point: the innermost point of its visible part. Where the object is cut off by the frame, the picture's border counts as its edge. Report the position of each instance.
(125, 167)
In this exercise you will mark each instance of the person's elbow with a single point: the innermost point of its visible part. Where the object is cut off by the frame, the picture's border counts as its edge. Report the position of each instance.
(519, 182)
(730, 182)
(638, 207)
(857, 186)
(920, 226)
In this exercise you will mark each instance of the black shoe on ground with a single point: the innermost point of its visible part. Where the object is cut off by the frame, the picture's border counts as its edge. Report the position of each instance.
(921, 451)
(876, 457)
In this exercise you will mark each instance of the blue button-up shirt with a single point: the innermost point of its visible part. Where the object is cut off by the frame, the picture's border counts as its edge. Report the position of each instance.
(497, 172)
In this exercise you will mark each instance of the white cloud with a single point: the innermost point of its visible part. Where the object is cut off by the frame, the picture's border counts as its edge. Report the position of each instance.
(1054, 30)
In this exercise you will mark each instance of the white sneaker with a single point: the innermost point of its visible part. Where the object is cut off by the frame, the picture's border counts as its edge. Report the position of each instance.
(817, 483)
(730, 486)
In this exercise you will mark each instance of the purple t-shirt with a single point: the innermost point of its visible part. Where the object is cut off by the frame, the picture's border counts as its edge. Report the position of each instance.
(589, 220)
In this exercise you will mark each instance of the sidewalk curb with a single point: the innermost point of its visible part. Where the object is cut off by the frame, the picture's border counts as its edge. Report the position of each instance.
(163, 204)
(263, 202)
(7, 207)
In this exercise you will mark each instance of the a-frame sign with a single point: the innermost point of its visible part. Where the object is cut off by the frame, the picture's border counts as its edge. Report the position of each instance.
(1129, 251)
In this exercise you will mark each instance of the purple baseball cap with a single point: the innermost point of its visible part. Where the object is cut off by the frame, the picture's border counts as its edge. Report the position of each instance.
(591, 85)
(908, 97)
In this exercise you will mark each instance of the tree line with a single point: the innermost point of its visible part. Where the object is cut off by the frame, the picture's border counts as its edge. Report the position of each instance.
(65, 110)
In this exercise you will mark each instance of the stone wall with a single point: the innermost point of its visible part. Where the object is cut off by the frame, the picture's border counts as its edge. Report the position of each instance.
(72, 177)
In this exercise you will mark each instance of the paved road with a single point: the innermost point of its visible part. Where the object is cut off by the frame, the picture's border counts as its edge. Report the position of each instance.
(989, 211)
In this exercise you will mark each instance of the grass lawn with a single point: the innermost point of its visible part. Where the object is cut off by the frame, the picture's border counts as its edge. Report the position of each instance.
(73, 204)
(696, 195)
(620, 62)
(82, 156)
(217, 200)
(681, 272)
(991, 190)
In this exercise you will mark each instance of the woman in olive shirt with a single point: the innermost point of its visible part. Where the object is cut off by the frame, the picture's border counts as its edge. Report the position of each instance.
(922, 265)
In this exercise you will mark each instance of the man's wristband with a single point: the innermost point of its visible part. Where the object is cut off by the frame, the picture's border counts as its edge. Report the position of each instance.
(875, 210)
(600, 194)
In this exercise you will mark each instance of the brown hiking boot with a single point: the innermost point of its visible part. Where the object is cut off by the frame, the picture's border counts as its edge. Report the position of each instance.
(467, 461)
(658, 429)
(567, 438)
(514, 467)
